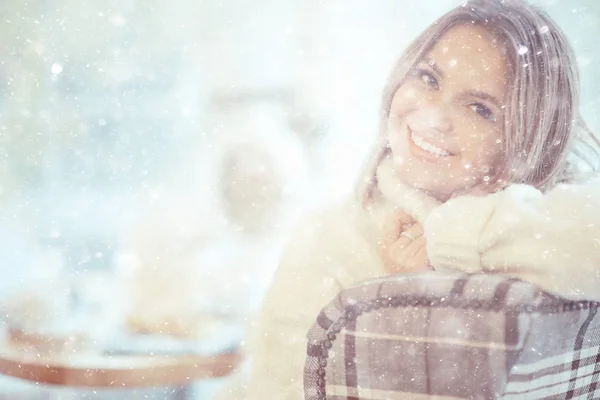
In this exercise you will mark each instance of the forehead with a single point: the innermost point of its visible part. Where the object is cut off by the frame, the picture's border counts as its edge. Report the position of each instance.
(474, 54)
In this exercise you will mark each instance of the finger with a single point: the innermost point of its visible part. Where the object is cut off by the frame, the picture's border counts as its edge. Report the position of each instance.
(401, 252)
(398, 257)
(403, 218)
(392, 225)
(390, 233)
(415, 231)
(418, 262)
(396, 222)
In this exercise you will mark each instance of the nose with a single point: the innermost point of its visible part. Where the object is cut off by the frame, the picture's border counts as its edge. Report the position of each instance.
(431, 117)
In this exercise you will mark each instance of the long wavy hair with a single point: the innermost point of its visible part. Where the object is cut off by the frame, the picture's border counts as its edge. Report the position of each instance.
(542, 122)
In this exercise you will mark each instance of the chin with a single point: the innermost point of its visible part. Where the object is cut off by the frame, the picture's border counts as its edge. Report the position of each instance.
(430, 186)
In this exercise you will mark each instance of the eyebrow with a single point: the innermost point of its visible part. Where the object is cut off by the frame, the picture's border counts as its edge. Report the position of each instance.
(483, 96)
(433, 66)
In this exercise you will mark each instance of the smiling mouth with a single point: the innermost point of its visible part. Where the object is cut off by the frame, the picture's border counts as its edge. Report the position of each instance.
(428, 147)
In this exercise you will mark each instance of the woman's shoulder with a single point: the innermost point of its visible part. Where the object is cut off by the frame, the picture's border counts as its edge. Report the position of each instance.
(331, 234)
(327, 251)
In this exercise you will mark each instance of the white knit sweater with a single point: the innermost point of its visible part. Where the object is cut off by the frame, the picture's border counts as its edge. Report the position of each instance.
(552, 240)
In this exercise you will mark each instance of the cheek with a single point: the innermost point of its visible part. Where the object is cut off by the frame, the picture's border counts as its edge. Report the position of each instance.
(481, 145)
(407, 98)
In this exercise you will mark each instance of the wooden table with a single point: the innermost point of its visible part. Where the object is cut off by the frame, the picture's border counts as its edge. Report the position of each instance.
(88, 369)
(117, 372)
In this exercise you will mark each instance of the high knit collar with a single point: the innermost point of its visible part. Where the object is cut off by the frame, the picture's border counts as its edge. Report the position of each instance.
(399, 195)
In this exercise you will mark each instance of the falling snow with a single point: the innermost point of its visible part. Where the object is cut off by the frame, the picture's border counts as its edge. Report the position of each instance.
(156, 155)
(523, 50)
(56, 68)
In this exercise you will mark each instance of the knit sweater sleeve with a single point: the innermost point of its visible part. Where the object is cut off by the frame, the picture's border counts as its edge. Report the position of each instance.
(552, 239)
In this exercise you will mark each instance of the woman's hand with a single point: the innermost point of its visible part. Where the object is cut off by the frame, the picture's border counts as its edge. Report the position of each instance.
(403, 248)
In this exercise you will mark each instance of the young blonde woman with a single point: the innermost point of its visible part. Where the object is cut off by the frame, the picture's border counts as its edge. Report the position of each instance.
(473, 170)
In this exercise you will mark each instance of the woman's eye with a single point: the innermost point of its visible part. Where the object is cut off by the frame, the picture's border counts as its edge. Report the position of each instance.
(428, 79)
(483, 111)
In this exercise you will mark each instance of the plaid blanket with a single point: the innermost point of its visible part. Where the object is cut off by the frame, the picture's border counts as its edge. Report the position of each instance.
(437, 336)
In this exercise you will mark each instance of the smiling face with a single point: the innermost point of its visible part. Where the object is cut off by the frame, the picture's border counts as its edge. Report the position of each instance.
(445, 125)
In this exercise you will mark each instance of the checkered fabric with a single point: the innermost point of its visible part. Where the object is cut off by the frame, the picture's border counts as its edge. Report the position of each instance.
(437, 336)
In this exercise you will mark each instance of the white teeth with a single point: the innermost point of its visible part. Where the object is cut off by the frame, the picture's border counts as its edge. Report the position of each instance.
(428, 146)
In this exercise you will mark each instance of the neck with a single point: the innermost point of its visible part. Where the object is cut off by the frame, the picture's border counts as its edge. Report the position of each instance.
(442, 198)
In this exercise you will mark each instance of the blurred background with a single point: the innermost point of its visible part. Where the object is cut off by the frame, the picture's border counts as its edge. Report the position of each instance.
(154, 154)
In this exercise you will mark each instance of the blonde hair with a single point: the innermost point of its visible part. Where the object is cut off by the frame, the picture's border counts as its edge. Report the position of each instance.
(540, 115)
